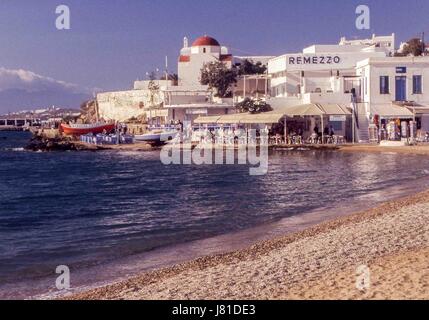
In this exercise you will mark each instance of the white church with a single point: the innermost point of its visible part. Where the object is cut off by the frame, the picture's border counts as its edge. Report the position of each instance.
(184, 101)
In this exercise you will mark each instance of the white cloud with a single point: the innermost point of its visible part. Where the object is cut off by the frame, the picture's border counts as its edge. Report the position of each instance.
(33, 82)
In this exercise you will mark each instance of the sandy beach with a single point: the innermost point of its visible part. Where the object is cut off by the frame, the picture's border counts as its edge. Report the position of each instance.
(417, 149)
(322, 262)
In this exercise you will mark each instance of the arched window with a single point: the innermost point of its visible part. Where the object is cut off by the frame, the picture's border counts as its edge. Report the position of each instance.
(204, 50)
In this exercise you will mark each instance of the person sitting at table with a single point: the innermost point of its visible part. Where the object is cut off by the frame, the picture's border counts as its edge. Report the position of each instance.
(332, 132)
(316, 130)
(326, 131)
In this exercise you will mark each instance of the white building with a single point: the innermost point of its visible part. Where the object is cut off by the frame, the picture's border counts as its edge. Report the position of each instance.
(192, 59)
(391, 83)
(333, 74)
(183, 102)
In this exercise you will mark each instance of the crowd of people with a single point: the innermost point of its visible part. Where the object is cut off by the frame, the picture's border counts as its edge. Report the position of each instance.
(295, 135)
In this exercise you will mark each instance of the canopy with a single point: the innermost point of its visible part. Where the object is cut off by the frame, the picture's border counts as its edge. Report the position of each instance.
(313, 109)
(334, 109)
(418, 109)
(276, 115)
(301, 110)
(206, 119)
(391, 110)
(241, 118)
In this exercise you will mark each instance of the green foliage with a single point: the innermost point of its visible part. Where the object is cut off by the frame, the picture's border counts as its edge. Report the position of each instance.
(217, 76)
(414, 47)
(248, 67)
(253, 106)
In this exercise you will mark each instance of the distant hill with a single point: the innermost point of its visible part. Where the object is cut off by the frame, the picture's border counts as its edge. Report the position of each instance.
(17, 99)
(26, 90)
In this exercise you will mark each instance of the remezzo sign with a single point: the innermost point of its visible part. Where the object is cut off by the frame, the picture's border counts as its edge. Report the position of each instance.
(325, 61)
(300, 60)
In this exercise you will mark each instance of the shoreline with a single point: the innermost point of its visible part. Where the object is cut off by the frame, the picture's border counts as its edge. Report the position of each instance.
(417, 149)
(225, 276)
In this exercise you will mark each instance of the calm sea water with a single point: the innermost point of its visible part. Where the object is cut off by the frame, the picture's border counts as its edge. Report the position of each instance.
(87, 209)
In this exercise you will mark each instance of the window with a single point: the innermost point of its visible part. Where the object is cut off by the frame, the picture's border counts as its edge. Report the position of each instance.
(336, 125)
(384, 85)
(204, 50)
(417, 84)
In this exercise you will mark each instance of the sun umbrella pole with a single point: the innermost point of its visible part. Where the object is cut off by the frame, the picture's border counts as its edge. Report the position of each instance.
(323, 130)
(285, 129)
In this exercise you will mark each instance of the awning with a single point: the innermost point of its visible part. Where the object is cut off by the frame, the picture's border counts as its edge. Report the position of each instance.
(418, 109)
(198, 106)
(276, 115)
(266, 117)
(334, 109)
(300, 110)
(241, 118)
(206, 120)
(314, 109)
(391, 111)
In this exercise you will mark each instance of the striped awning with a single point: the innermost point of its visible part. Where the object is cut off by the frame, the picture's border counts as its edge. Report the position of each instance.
(335, 109)
(241, 118)
(391, 111)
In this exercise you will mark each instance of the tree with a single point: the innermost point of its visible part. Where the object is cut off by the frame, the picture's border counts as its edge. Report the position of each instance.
(151, 75)
(217, 76)
(171, 76)
(153, 91)
(414, 47)
(248, 67)
(253, 106)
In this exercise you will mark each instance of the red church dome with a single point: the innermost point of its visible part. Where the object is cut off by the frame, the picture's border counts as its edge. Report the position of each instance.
(206, 41)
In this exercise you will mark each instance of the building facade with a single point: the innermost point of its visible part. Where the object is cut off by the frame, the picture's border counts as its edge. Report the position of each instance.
(363, 75)
(183, 101)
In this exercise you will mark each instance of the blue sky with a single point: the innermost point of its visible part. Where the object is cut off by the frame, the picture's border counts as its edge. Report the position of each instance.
(111, 43)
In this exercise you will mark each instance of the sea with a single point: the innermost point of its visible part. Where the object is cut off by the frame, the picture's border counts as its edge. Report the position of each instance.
(109, 215)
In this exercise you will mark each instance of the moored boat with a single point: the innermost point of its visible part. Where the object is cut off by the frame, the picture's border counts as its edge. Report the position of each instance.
(77, 129)
(157, 137)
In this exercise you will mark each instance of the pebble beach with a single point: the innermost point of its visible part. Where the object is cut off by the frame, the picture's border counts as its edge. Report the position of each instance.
(322, 262)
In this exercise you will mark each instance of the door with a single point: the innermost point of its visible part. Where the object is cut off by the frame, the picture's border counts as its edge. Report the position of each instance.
(401, 88)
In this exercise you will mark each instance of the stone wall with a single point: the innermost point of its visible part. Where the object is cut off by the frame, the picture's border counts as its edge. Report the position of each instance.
(124, 105)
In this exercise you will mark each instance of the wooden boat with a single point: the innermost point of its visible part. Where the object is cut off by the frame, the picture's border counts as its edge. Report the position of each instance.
(78, 129)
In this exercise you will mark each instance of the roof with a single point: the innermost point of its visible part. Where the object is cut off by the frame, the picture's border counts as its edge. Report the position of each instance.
(241, 118)
(334, 109)
(313, 109)
(206, 41)
(276, 115)
(390, 110)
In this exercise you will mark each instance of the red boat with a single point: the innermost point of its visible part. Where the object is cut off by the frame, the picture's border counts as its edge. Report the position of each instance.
(78, 129)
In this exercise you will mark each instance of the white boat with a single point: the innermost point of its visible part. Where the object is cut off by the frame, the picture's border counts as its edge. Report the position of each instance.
(157, 137)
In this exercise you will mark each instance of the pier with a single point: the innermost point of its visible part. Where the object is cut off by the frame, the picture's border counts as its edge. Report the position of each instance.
(18, 124)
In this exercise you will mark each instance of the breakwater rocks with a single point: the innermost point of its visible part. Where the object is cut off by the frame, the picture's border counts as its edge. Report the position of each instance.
(41, 143)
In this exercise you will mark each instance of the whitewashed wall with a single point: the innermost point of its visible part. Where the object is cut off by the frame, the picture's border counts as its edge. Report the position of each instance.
(123, 105)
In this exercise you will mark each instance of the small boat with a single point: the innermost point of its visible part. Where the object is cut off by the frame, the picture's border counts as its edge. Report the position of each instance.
(77, 129)
(157, 137)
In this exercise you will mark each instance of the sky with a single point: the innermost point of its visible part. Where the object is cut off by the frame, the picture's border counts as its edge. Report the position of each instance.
(112, 43)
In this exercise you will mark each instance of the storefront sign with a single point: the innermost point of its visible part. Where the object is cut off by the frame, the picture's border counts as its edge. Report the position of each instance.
(401, 69)
(314, 60)
(196, 111)
(337, 118)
